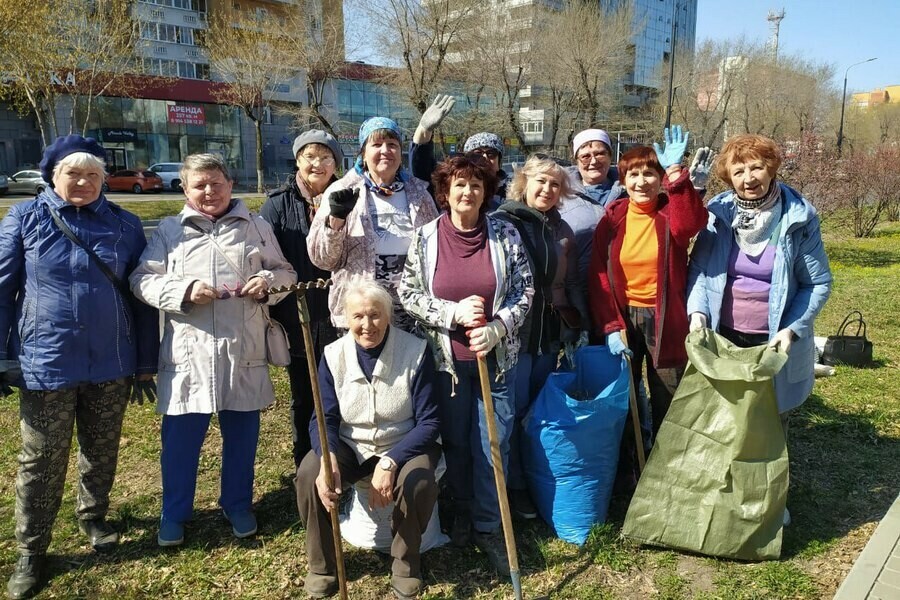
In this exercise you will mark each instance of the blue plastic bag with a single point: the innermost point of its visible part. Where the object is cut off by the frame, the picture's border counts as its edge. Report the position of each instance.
(571, 441)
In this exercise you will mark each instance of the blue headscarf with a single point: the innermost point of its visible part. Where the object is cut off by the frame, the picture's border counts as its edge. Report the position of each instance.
(368, 127)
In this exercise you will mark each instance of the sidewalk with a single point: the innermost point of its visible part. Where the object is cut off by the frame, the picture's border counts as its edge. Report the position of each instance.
(876, 573)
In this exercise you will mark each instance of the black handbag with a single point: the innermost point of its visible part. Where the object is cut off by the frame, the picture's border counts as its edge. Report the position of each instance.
(843, 349)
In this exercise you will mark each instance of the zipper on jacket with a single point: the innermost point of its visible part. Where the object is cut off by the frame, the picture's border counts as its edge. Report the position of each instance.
(661, 317)
(540, 342)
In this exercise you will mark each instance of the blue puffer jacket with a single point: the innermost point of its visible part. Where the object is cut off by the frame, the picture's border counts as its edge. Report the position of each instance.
(801, 283)
(59, 315)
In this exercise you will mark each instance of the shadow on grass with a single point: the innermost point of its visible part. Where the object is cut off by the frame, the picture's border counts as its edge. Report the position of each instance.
(850, 256)
(843, 475)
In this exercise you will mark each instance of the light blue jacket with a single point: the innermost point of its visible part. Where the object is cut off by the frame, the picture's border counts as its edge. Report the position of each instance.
(801, 283)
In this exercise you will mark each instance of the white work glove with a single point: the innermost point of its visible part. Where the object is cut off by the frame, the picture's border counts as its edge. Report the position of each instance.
(700, 166)
(616, 344)
(783, 340)
(483, 339)
(434, 114)
(469, 312)
(698, 321)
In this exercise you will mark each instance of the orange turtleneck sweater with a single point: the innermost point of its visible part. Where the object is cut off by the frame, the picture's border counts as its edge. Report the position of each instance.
(640, 254)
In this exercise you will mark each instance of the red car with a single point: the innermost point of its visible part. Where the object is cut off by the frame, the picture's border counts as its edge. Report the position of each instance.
(133, 181)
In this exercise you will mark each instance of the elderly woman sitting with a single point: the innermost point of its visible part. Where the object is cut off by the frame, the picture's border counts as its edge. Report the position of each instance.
(209, 269)
(382, 423)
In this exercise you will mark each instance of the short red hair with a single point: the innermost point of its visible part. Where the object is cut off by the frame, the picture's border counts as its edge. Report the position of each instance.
(637, 158)
(744, 148)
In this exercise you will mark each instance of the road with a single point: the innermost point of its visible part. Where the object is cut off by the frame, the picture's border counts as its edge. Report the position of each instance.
(117, 197)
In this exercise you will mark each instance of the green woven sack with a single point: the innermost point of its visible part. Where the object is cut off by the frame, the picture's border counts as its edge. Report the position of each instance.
(717, 479)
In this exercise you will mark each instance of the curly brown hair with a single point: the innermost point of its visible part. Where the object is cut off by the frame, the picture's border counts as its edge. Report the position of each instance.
(470, 167)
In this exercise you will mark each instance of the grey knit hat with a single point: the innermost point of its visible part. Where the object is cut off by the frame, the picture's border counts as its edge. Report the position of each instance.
(317, 136)
(484, 140)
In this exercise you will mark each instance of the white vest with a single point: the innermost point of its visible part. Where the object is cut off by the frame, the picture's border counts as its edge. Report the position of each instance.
(375, 415)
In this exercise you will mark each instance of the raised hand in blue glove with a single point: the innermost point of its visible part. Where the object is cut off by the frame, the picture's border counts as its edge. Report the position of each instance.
(616, 345)
(676, 144)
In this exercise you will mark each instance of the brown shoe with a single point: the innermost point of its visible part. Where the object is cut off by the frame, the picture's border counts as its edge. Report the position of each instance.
(103, 537)
(406, 588)
(320, 586)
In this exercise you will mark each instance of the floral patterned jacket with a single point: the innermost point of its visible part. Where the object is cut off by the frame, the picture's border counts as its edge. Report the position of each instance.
(350, 251)
(512, 298)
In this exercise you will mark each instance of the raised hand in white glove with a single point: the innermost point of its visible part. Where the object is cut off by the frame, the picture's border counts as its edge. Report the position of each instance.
(483, 339)
(698, 321)
(469, 312)
(434, 114)
(700, 166)
(782, 340)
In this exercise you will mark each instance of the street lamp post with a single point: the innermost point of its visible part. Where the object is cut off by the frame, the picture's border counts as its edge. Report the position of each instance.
(672, 64)
(840, 139)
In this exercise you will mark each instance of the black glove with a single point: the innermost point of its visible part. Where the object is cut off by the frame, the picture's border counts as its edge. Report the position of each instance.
(342, 202)
(141, 390)
(10, 372)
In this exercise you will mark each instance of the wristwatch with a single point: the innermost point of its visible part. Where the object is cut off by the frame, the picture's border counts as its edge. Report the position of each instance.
(387, 464)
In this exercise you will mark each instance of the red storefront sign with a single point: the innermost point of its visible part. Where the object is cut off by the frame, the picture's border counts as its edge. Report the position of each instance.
(182, 114)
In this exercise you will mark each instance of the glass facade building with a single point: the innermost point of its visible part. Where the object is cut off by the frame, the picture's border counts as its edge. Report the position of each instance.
(652, 25)
(138, 132)
(359, 99)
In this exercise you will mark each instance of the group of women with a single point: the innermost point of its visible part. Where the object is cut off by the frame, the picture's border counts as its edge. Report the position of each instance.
(424, 285)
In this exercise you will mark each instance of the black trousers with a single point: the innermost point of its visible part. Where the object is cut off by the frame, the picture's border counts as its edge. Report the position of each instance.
(323, 333)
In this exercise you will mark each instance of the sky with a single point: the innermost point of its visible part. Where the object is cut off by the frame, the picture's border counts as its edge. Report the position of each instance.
(838, 32)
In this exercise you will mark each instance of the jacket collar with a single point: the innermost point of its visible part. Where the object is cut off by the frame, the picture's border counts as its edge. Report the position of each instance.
(526, 213)
(238, 210)
(382, 363)
(54, 201)
(796, 209)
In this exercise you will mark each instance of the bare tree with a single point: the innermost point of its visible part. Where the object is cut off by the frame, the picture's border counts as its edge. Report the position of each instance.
(319, 54)
(253, 56)
(415, 38)
(82, 49)
(591, 52)
(736, 87)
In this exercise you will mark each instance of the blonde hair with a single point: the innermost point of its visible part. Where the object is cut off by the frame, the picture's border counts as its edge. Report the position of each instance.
(80, 160)
(534, 166)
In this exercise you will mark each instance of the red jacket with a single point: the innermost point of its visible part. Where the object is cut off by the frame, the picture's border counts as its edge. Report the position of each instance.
(680, 216)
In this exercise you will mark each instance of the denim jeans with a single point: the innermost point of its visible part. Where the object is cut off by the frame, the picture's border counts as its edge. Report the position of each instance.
(464, 436)
(531, 372)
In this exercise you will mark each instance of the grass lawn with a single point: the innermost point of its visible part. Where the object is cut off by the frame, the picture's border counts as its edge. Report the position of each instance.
(845, 470)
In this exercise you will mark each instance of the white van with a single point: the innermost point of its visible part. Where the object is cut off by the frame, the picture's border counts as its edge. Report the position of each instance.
(169, 172)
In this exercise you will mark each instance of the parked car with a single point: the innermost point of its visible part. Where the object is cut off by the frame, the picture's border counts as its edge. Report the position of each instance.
(133, 181)
(170, 173)
(4, 184)
(27, 182)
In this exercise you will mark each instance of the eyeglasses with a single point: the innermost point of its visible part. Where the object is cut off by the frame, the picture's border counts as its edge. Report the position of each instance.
(487, 153)
(227, 292)
(585, 159)
(318, 160)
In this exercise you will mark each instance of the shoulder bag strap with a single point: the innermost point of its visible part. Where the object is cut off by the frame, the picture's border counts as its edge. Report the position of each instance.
(117, 283)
